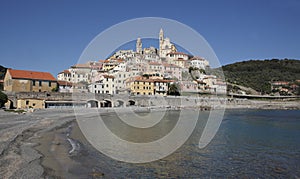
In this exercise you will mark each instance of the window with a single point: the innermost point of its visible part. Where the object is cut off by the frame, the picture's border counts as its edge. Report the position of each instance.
(33, 82)
(102, 86)
(107, 85)
(95, 86)
(33, 104)
(49, 84)
(40, 83)
(27, 102)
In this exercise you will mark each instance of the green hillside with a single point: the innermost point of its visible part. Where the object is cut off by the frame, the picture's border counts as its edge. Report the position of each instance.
(258, 74)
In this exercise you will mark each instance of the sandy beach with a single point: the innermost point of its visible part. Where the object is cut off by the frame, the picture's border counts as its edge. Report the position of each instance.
(39, 144)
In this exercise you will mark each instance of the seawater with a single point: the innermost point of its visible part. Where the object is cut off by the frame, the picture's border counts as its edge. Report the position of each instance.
(248, 144)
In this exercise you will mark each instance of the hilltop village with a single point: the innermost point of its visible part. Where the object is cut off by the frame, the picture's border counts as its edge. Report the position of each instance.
(145, 71)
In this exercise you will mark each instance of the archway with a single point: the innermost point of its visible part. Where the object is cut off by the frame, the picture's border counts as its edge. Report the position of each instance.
(119, 103)
(9, 104)
(92, 104)
(106, 103)
(131, 102)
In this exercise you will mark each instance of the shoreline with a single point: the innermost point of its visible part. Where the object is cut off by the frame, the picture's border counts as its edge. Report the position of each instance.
(26, 141)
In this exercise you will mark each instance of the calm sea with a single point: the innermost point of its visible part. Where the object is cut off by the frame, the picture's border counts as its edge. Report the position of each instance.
(249, 144)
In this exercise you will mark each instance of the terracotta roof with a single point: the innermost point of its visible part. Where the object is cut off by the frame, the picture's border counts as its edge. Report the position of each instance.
(24, 74)
(108, 76)
(65, 83)
(65, 71)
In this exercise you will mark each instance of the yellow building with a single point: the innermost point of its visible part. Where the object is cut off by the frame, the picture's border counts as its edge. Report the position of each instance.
(30, 103)
(145, 86)
(28, 81)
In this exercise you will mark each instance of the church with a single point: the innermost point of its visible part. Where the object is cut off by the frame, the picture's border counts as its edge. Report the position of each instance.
(165, 46)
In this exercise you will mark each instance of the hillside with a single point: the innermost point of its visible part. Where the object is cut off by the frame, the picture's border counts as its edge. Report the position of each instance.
(258, 74)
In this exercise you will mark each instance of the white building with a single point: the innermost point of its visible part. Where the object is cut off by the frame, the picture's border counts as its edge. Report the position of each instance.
(64, 76)
(172, 56)
(198, 62)
(80, 73)
(124, 54)
(104, 86)
(161, 87)
(171, 71)
(65, 86)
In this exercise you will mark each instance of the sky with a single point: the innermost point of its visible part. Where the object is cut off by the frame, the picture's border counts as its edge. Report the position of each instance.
(50, 35)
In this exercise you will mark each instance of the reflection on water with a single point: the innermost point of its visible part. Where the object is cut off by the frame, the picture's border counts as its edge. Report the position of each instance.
(249, 143)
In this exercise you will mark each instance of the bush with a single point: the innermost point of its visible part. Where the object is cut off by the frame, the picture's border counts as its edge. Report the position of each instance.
(3, 99)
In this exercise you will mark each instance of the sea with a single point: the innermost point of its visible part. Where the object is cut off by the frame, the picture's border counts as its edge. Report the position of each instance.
(249, 144)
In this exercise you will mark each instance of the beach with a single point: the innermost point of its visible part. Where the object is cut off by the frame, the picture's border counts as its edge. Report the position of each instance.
(40, 144)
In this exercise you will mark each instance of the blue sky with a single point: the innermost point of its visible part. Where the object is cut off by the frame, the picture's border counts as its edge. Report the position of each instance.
(50, 35)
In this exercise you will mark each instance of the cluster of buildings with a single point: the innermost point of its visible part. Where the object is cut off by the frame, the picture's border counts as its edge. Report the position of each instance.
(145, 71)
(285, 87)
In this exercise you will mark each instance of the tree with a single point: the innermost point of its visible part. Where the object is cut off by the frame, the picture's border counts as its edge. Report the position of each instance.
(3, 99)
(173, 90)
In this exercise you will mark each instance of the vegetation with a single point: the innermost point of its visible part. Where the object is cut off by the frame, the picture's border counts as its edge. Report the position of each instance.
(2, 75)
(55, 89)
(258, 74)
(3, 99)
(173, 90)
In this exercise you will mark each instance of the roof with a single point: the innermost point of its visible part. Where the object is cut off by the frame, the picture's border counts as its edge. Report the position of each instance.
(35, 75)
(198, 58)
(154, 63)
(178, 53)
(108, 76)
(81, 66)
(65, 72)
(180, 59)
(170, 65)
(64, 83)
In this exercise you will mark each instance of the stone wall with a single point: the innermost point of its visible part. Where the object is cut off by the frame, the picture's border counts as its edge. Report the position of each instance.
(143, 101)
